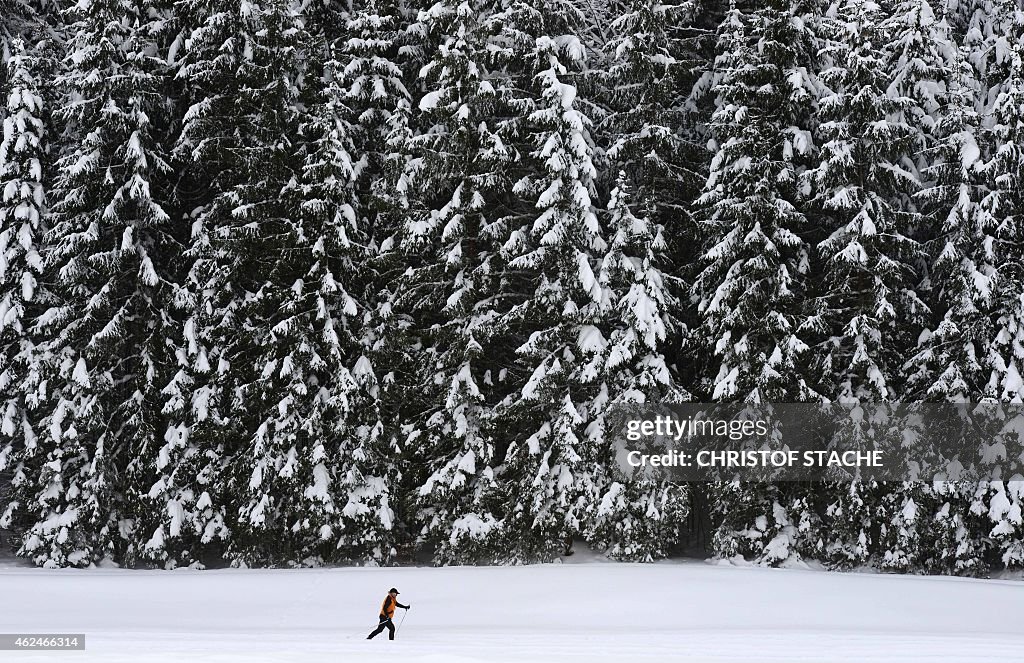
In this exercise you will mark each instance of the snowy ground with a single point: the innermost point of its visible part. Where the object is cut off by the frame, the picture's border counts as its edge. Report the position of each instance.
(592, 612)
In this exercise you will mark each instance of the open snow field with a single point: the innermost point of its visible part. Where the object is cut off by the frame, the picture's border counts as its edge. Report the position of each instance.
(592, 612)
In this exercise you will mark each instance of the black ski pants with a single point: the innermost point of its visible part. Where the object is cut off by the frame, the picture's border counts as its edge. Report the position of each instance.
(385, 623)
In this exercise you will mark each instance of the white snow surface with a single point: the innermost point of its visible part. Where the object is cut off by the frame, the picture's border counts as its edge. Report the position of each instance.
(591, 611)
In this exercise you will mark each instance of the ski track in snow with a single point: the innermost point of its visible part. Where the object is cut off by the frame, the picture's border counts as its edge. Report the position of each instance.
(561, 612)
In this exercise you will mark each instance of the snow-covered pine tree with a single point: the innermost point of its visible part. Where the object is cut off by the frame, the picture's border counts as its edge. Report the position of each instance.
(651, 127)
(1005, 499)
(752, 288)
(375, 54)
(549, 421)
(237, 134)
(755, 267)
(362, 443)
(458, 174)
(990, 29)
(637, 517)
(868, 310)
(631, 274)
(274, 318)
(903, 528)
(865, 176)
(655, 58)
(949, 364)
(1004, 202)
(957, 542)
(927, 70)
(22, 205)
(994, 29)
(189, 522)
(382, 49)
(107, 332)
(21, 18)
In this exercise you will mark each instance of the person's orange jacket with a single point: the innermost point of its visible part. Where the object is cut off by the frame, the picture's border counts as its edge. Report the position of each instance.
(387, 609)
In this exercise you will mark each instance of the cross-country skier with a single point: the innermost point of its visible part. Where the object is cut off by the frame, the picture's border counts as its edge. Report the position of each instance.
(387, 611)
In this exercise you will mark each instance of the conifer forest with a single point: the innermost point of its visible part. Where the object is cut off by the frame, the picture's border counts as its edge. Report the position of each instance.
(333, 282)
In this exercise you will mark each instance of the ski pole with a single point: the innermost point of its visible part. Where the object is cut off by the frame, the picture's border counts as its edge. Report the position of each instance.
(401, 621)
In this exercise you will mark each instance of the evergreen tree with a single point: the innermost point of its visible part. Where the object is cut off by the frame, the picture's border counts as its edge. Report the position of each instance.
(656, 57)
(867, 307)
(928, 70)
(991, 27)
(375, 55)
(239, 67)
(379, 51)
(869, 310)
(106, 335)
(1005, 170)
(1003, 202)
(651, 127)
(951, 358)
(1005, 500)
(22, 206)
(631, 275)
(957, 544)
(752, 287)
(901, 537)
(274, 254)
(637, 517)
(459, 174)
(552, 249)
(21, 18)
(765, 523)
(367, 480)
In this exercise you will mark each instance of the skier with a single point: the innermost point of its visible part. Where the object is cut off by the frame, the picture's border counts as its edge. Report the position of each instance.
(387, 611)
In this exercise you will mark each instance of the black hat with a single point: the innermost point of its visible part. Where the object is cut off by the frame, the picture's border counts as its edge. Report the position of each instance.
(393, 591)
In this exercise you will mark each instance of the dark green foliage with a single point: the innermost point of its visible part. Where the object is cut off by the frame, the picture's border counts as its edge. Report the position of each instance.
(289, 283)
